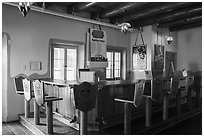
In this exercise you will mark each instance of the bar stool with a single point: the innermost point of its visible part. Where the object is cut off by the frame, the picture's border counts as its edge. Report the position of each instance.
(85, 100)
(182, 81)
(169, 86)
(41, 99)
(138, 94)
(185, 84)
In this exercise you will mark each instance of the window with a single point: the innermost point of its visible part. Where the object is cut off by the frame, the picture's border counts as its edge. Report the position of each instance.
(64, 63)
(113, 71)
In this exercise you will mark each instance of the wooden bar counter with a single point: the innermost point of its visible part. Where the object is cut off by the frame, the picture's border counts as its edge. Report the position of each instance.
(106, 112)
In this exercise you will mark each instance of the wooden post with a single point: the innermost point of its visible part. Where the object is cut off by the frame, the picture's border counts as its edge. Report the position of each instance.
(165, 106)
(27, 108)
(49, 117)
(189, 100)
(127, 119)
(36, 113)
(83, 123)
(148, 112)
(178, 102)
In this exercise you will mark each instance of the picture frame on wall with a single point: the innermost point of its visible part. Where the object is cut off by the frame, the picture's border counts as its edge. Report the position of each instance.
(139, 54)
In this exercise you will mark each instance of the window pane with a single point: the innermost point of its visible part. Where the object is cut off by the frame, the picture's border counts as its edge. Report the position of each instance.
(108, 73)
(117, 64)
(58, 63)
(114, 64)
(109, 69)
(117, 56)
(117, 73)
(71, 75)
(71, 64)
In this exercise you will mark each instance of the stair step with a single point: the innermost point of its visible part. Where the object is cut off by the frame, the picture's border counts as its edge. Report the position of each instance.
(41, 129)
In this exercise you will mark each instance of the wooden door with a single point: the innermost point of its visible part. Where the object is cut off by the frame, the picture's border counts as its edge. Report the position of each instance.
(170, 63)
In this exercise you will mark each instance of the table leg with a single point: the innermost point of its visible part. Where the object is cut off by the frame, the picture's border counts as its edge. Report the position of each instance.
(127, 119)
(27, 108)
(49, 117)
(36, 113)
(189, 100)
(165, 106)
(148, 112)
(83, 123)
(178, 102)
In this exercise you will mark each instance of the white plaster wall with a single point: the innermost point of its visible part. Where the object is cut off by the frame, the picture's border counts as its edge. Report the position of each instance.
(190, 49)
(30, 37)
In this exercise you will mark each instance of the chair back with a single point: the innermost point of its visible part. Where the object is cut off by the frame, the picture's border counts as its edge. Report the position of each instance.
(38, 92)
(18, 84)
(189, 82)
(26, 88)
(85, 96)
(197, 81)
(165, 84)
(174, 85)
(178, 74)
(138, 94)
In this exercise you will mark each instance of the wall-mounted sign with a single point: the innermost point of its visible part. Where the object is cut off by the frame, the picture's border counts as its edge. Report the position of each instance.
(139, 57)
(98, 46)
(35, 65)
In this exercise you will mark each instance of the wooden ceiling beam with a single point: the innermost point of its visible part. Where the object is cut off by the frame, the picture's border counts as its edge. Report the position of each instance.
(181, 22)
(181, 14)
(82, 6)
(185, 26)
(152, 11)
(122, 8)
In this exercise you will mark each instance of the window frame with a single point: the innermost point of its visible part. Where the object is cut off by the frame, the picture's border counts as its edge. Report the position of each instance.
(122, 52)
(65, 44)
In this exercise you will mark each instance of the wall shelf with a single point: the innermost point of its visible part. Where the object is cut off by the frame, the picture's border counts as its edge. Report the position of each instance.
(98, 64)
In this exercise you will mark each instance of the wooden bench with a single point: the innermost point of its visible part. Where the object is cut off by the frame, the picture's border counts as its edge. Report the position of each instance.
(138, 94)
(41, 99)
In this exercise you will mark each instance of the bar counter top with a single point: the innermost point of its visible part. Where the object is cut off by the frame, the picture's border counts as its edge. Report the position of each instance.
(101, 83)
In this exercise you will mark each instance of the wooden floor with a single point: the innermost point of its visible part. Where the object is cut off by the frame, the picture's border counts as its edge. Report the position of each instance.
(191, 126)
(15, 128)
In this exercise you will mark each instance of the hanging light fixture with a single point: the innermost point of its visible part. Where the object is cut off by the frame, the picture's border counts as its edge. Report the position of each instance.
(24, 7)
(169, 38)
(124, 27)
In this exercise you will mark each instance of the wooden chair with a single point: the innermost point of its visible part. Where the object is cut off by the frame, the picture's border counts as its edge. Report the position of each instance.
(19, 88)
(41, 99)
(138, 94)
